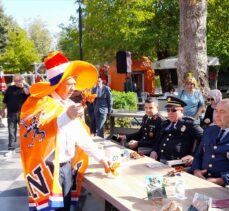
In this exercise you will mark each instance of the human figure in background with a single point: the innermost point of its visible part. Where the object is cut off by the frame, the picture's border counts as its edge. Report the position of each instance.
(144, 140)
(129, 85)
(211, 162)
(193, 98)
(171, 92)
(14, 98)
(178, 135)
(101, 106)
(214, 96)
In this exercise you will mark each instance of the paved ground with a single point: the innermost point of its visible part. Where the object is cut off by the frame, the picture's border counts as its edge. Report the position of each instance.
(13, 193)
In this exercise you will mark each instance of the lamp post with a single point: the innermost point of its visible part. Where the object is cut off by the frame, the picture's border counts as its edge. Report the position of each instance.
(80, 28)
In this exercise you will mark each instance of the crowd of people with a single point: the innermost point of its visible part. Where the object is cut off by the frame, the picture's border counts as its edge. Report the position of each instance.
(202, 148)
(52, 112)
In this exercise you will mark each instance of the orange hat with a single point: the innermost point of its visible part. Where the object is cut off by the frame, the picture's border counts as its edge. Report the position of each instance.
(58, 69)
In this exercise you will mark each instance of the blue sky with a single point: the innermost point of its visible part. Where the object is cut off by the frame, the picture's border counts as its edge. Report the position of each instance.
(52, 12)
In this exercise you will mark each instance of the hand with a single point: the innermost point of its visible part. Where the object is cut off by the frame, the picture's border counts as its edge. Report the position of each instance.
(132, 144)
(207, 121)
(153, 155)
(75, 111)
(188, 160)
(218, 181)
(106, 165)
(200, 173)
(122, 139)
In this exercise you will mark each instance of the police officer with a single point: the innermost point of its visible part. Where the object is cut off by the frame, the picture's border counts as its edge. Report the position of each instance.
(211, 162)
(178, 134)
(144, 140)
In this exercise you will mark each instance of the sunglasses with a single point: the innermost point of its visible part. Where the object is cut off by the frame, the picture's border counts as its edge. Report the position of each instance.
(171, 110)
(210, 99)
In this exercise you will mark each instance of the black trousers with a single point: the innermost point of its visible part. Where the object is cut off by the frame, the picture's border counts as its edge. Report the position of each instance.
(65, 179)
(12, 121)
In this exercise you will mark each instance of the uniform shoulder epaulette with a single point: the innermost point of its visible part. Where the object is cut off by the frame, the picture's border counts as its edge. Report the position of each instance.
(188, 119)
(166, 122)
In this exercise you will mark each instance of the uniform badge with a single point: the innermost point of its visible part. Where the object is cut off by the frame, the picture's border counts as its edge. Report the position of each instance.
(227, 155)
(151, 134)
(183, 128)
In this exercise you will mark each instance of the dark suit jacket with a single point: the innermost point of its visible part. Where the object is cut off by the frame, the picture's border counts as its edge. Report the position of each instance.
(149, 131)
(103, 101)
(213, 156)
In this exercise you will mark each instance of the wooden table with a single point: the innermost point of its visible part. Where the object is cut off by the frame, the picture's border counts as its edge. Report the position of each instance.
(127, 191)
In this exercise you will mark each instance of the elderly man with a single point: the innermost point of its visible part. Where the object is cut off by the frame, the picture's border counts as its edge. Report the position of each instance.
(211, 162)
(14, 98)
(178, 135)
(50, 131)
(144, 140)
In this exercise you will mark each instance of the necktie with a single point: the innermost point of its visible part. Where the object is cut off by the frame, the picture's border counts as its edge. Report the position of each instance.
(220, 135)
(171, 127)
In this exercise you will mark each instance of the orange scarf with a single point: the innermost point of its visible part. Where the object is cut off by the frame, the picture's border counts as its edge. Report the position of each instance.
(39, 154)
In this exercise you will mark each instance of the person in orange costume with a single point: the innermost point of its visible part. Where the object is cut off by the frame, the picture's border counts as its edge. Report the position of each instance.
(53, 137)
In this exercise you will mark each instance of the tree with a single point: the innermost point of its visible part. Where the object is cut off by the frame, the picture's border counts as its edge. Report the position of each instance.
(41, 36)
(68, 41)
(192, 44)
(136, 26)
(5, 24)
(218, 31)
(19, 52)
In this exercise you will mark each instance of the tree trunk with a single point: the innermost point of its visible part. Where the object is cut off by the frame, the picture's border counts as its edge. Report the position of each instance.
(192, 44)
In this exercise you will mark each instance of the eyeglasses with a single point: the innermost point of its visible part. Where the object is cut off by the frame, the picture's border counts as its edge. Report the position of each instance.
(210, 99)
(19, 80)
(171, 110)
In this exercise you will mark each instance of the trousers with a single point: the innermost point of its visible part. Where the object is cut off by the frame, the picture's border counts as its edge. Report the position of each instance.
(12, 121)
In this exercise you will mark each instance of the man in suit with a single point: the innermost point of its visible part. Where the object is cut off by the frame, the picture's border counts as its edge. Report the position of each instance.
(211, 161)
(102, 106)
(178, 134)
(144, 140)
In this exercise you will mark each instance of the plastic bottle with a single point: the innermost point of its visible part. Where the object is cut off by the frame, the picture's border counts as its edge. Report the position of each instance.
(179, 186)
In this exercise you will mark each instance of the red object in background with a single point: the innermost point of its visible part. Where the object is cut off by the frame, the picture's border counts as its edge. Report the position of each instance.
(2, 82)
(38, 79)
(103, 72)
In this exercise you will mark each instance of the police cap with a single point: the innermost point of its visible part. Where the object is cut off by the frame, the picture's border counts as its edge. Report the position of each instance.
(174, 101)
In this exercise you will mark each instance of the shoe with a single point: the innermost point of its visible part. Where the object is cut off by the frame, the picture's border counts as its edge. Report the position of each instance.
(9, 154)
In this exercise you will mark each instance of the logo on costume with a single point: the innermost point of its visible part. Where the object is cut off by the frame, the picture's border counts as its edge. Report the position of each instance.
(183, 128)
(151, 134)
(33, 127)
(227, 155)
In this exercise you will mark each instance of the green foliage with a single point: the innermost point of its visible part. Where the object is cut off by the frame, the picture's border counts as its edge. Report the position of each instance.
(41, 37)
(19, 52)
(1, 99)
(144, 27)
(140, 26)
(124, 100)
(218, 31)
(69, 40)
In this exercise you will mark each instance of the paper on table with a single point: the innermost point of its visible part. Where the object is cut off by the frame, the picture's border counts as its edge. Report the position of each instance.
(155, 165)
(220, 203)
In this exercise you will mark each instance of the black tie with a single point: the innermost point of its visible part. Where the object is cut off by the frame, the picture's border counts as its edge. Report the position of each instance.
(220, 135)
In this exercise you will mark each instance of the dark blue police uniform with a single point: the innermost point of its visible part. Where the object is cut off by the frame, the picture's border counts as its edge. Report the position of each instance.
(149, 131)
(177, 140)
(213, 156)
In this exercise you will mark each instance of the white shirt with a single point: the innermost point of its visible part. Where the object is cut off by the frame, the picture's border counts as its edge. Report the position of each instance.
(72, 133)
